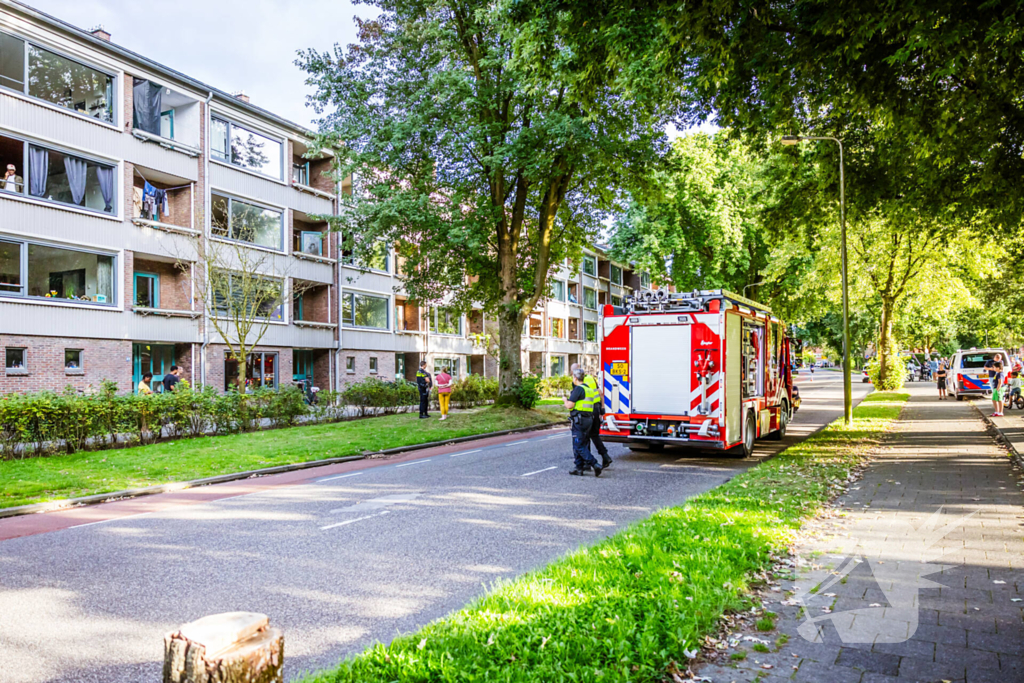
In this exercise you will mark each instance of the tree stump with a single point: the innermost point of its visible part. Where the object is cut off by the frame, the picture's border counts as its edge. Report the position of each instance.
(234, 647)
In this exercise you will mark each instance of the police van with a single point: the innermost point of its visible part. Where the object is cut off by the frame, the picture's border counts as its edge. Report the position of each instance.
(967, 375)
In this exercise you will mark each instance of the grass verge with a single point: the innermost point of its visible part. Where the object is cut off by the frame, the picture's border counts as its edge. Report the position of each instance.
(36, 480)
(626, 608)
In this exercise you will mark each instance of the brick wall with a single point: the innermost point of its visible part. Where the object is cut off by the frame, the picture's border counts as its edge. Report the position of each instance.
(175, 291)
(317, 178)
(315, 304)
(322, 368)
(385, 365)
(101, 359)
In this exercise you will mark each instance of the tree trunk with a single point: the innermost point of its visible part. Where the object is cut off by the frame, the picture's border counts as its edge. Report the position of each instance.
(885, 338)
(510, 357)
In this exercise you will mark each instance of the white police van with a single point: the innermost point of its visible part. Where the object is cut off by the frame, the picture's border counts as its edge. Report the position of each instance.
(967, 375)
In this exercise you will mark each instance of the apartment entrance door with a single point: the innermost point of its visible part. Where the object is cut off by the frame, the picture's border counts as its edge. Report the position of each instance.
(155, 358)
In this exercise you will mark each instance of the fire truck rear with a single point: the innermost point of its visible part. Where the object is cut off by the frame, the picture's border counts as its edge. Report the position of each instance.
(705, 369)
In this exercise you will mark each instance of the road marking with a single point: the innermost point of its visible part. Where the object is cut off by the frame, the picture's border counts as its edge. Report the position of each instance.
(546, 469)
(414, 462)
(455, 455)
(112, 519)
(556, 436)
(351, 521)
(354, 474)
(514, 443)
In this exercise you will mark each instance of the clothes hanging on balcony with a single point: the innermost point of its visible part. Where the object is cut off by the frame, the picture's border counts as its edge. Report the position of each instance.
(154, 201)
(147, 102)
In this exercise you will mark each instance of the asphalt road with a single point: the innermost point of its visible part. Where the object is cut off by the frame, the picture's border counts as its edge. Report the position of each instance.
(340, 562)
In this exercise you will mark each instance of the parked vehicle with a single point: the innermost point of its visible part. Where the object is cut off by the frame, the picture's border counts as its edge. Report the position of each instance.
(704, 369)
(865, 377)
(968, 376)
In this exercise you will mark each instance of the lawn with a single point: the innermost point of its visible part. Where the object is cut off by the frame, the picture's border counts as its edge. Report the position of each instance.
(36, 480)
(628, 607)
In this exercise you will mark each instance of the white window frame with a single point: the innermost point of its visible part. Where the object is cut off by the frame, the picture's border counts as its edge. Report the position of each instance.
(565, 290)
(588, 258)
(252, 129)
(23, 268)
(589, 322)
(260, 205)
(589, 289)
(354, 293)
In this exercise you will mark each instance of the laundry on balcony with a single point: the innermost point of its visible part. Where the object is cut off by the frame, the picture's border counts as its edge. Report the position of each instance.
(154, 200)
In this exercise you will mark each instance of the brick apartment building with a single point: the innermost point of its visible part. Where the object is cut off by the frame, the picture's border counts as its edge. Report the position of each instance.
(121, 179)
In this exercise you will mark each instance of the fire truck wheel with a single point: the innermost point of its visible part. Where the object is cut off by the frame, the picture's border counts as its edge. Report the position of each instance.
(959, 397)
(745, 449)
(780, 433)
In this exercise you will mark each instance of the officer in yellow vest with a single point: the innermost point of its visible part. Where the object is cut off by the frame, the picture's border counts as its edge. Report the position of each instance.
(581, 404)
(595, 430)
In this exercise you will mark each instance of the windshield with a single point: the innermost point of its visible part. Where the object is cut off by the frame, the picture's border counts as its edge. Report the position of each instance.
(975, 360)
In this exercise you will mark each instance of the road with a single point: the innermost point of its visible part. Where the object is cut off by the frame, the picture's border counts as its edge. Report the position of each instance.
(338, 562)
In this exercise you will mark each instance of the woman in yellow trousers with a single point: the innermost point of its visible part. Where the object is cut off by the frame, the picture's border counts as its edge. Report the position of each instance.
(444, 391)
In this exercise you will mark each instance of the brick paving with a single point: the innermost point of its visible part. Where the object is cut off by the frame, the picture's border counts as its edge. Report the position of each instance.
(921, 580)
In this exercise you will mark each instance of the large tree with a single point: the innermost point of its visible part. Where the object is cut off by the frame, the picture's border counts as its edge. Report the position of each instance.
(475, 152)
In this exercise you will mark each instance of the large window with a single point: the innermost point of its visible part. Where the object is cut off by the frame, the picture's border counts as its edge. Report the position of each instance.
(244, 296)
(449, 365)
(38, 270)
(557, 366)
(56, 176)
(377, 258)
(590, 265)
(590, 332)
(38, 72)
(445, 321)
(558, 328)
(240, 146)
(364, 310)
(558, 290)
(260, 370)
(590, 298)
(237, 220)
(645, 280)
(616, 274)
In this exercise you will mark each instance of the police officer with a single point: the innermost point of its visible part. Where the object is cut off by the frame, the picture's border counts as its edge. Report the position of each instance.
(424, 381)
(595, 430)
(581, 403)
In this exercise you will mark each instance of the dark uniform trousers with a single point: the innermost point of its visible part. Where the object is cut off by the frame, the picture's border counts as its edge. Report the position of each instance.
(582, 422)
(424, 386)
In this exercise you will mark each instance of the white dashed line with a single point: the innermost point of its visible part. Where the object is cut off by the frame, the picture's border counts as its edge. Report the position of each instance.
(514, 443)
(357, 519)
(546, 469)
(112, 519)
(414, 462)
(455, 455)
(354, 474)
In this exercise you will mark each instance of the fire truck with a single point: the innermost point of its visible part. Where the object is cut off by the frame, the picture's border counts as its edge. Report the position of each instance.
(705, 369)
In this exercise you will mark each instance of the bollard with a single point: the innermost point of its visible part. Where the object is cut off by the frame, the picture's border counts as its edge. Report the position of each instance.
(234, 647)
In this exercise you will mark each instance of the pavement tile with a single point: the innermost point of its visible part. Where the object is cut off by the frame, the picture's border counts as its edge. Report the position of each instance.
(921, 649)
(812, 672)
(1010, 643)
(972, 659)
(879, 662)
(913, 669)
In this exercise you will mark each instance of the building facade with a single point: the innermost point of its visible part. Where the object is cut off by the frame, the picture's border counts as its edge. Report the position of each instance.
(124, 188)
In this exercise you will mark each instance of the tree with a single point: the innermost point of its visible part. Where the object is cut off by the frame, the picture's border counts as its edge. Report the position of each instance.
(484, 173)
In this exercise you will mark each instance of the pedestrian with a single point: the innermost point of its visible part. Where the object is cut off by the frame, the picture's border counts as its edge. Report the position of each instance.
(595, 429)
(444, 391)
(172, 378)
(995, 383)
(940, 379)
(423, 383)
(144, 384)
(1015, 386)
(581, 404)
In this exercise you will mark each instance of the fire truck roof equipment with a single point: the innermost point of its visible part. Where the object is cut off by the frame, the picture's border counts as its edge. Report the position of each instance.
(662, 301)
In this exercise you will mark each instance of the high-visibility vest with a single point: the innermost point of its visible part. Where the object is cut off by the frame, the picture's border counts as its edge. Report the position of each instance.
(589, 400)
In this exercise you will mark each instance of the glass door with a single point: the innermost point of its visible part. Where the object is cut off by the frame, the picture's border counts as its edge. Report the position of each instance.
(154, 358)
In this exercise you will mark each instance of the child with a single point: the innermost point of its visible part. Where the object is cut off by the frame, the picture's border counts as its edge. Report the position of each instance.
(1015, 386)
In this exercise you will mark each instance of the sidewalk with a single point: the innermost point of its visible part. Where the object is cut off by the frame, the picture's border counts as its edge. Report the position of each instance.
(922, 579)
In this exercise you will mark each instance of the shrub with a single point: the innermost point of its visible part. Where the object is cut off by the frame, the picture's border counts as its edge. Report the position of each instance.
(559, 386)
(375, 396)
(896, 373)
(286, 406)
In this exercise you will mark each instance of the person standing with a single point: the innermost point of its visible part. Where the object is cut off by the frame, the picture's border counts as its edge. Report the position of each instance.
(595, 429)
(172, 378)
(423, 382)
(144, 384)
(444, 391)
(940, 379)
(581, 404)
(995, 383)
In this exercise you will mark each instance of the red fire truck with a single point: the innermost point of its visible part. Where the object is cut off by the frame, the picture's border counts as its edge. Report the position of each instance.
(704, 369)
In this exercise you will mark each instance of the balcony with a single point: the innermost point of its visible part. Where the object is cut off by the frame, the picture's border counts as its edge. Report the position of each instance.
(311, 239)
(407, 317)
(311, 175)
(311, 305)
(161, 287)
(163, 202)
(165, 117)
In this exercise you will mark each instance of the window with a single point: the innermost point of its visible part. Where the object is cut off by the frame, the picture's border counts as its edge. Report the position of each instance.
(57, 176)
(147, 290)
(589, 298)
(245, 222)
(364, 310)
(260, 371)
(645, 280)
(153, 358)
(616, 300)
(558, 328)
(373, 365)
(445, 321)
(589, 264)
(350, 364)
(37, 270)
(56, 79)
(15, 359)
(300, 174)
(590, 332)
(975, 361)
(247, 296)
(574, 293)
(557, 366)
(378, 258)
(449, 365)
(616, 274)
(72, 359)
(297, 312)
(558, 290)
(399, 366)
(240, 146)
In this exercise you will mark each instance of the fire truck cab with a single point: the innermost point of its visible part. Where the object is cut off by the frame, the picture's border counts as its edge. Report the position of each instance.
(705, 369)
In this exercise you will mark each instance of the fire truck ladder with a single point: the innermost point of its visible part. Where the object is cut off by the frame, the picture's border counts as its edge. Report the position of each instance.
(663, 301)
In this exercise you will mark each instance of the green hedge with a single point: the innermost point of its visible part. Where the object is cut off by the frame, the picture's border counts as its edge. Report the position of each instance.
(472, 390)
(375, 396)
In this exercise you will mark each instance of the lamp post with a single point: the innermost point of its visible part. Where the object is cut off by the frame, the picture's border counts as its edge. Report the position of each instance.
(847, 379)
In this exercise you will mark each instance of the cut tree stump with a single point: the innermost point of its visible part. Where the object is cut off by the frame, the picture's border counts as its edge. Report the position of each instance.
(234, 647)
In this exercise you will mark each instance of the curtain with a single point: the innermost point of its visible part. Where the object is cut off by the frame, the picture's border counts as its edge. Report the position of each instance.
(76, 170)
(105, 278)
(106, 178)
(38, 170)
(147, 101)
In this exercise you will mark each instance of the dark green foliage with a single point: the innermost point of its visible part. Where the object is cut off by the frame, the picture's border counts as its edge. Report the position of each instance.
(374, 396)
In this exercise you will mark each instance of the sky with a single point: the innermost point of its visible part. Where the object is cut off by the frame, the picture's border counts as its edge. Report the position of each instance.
(231, 45)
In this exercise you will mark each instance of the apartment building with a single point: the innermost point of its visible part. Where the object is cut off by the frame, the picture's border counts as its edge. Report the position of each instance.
(123, 177)
(119, 173)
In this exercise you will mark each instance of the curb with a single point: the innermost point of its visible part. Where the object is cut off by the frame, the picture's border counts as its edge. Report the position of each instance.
(99, 498)
(1015, 455)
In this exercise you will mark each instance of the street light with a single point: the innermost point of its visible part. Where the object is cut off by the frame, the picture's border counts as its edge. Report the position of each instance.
(847, 380)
